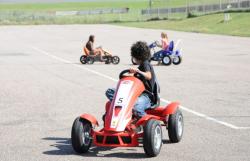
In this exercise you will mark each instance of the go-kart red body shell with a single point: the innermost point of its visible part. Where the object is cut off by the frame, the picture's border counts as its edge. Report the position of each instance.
(119, 128)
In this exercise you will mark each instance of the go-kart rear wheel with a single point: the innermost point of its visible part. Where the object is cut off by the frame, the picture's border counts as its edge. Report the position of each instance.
(83, 59)
(175, 126)
(115, 60)
(152, 138)
(166, 60)
(177, 60)
(90, 60)
(81, 135)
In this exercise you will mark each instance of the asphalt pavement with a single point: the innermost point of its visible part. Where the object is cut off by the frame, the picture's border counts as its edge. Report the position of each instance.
(44, 88)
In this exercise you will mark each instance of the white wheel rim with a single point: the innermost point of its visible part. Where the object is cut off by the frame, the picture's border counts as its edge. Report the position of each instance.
(115, 59)
(176, 59)
(166, 60)
(180, 125)
(157, 137)
(86, 135)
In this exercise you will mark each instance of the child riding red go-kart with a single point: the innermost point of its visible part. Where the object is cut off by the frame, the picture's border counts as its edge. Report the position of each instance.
(121, 129)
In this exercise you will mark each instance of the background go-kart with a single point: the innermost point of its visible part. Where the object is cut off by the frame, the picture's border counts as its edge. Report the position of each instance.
(44, 87)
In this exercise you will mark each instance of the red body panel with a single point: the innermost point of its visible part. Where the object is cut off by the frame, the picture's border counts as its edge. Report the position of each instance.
(171, 108)
(107, 105)
(163, 111)
(136, 89)
(90, 118)
(115, 139)
(145, 118)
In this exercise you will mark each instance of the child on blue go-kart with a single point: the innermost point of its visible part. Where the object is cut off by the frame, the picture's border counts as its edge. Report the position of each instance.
(141, 54)
(168, 53)
(164, 43)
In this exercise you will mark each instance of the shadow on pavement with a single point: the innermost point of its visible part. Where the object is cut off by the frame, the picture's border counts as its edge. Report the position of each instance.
(63, 147)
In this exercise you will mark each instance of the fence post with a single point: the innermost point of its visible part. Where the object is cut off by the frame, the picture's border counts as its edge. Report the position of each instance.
(220, 6)
(227, 15)
(204, 8)
(158, 14)
(168, 14)
(138, 12)
(187, 8)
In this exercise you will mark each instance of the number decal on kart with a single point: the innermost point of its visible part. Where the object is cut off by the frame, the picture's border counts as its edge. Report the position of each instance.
(120, 100)
(122, 95)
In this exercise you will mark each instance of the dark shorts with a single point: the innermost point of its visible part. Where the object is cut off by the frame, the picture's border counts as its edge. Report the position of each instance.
(91, 53)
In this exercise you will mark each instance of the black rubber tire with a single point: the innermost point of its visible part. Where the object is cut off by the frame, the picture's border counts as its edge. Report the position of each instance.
(133, 61)
(83, 59)
(90, 60)
(148, 138)
(178, 62)
(166, 57)
(115, 60)
(78, 143)
(108, 59)
(173, 126)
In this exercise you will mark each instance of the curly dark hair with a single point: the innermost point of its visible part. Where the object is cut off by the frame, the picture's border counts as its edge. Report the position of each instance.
(140, 51)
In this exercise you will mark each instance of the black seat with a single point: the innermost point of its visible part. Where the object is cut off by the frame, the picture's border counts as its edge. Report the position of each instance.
(155, 95)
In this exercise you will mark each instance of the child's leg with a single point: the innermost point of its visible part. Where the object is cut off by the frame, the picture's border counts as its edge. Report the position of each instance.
(106, 52)
(110, 93)
(143, 102)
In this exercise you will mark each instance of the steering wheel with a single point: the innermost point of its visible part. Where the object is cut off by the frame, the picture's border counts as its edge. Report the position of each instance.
(137, 75)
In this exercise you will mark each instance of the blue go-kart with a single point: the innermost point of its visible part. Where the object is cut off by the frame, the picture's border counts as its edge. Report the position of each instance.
(168, 56)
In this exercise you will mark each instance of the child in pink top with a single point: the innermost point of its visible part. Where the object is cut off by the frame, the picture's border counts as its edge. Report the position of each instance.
(164, 45)
(164, 41)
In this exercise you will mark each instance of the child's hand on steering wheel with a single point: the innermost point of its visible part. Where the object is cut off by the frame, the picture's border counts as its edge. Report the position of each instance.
(134, 70)
(157, 43)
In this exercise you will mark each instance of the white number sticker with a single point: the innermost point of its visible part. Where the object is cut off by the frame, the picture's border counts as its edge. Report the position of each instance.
(123, 93)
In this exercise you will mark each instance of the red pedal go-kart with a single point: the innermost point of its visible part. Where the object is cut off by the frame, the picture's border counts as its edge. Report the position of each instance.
(120, 128)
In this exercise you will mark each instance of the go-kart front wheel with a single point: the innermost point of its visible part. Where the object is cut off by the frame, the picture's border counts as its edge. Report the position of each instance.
(115, 60)
(152, 138)
(177, 60)
(166, 60)
(81, 135)
(175, 126)
(90, 60)
(83, 59)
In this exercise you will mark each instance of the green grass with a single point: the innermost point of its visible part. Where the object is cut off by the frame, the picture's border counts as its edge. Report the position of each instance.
(239, 24)
(71, 6)
(44, 13)
(136, 4)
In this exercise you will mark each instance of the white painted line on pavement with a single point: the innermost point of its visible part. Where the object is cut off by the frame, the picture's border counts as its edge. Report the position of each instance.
(207, 117)
(69, 62)
(162, 99)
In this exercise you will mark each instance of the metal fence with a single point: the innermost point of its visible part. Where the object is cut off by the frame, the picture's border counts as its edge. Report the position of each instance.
(93, 12)
(204, 8)
(197, 7)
